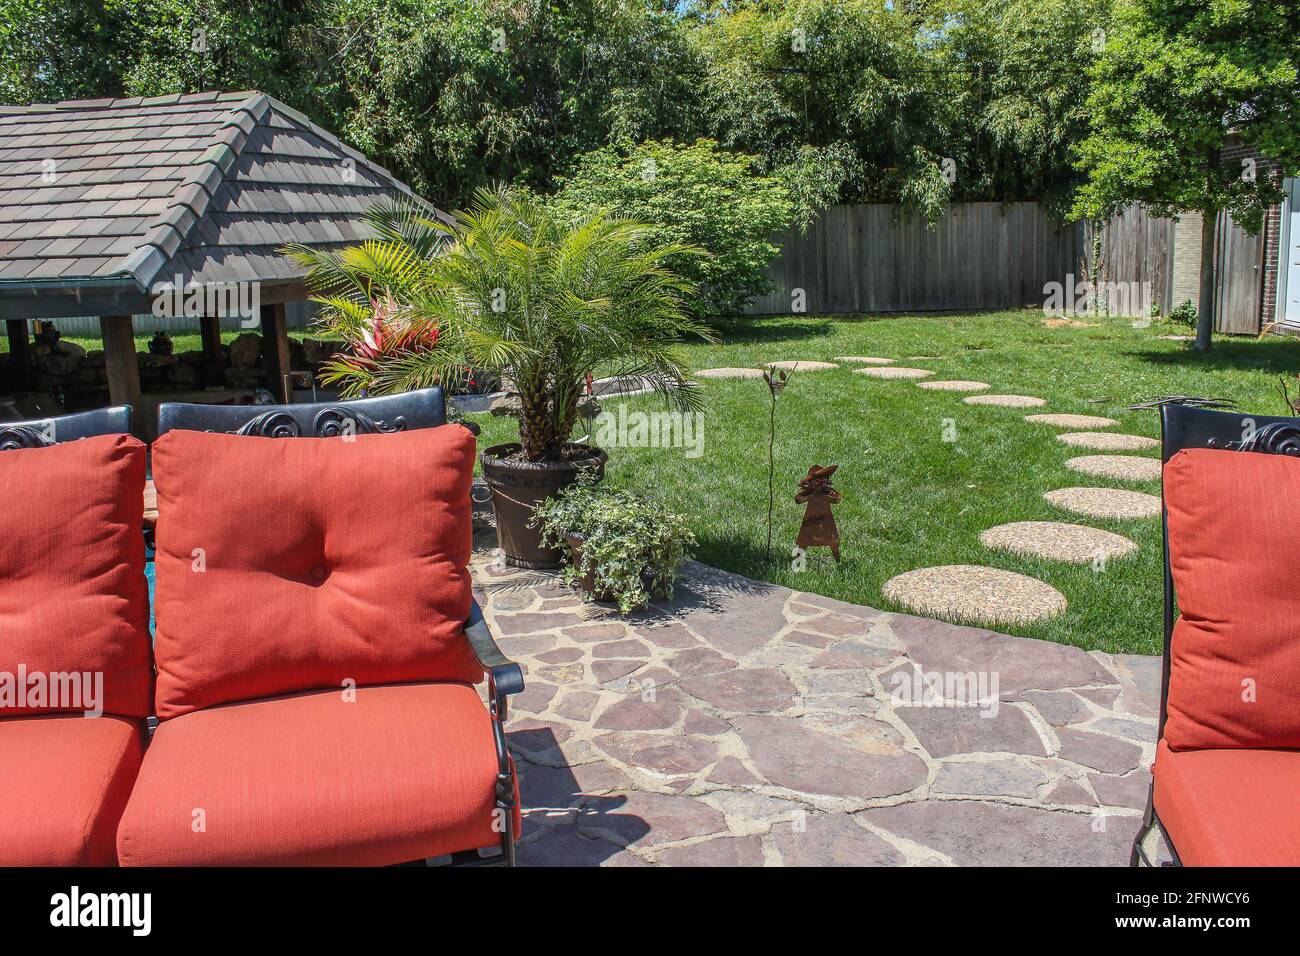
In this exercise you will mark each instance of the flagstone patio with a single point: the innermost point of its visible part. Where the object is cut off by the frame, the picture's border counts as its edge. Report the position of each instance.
(748, 724)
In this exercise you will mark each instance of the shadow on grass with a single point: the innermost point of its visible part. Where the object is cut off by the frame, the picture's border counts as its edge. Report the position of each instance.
(741, 330)
(1266, 355)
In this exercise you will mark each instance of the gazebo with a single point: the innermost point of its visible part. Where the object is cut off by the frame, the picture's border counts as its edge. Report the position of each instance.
(117, 207)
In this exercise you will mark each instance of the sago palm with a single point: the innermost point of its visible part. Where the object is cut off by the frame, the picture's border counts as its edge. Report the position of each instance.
(509, 288)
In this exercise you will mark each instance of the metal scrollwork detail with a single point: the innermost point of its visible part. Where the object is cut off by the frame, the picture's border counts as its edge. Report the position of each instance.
(335, 422)
(13, 437)
(271, 425)
(1275, 438)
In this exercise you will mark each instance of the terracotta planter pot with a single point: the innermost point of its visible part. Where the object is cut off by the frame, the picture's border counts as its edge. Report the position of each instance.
(518, 487)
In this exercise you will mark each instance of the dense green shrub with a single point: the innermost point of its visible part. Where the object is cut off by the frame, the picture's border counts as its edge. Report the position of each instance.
(696, 194)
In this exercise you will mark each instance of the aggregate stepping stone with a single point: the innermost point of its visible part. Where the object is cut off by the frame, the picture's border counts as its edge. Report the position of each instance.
(1106, 502)
(971, 833)
(1006, 401)
(832, 839)
(1119, 467)
(956, 385)
(975, 593)
(864, 359)
(801, 365)
(1107, 441)
(893, 371)
(1057, 541)
(729, 373)
(1071, 421)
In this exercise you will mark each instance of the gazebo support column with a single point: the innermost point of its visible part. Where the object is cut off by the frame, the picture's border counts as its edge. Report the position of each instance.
(214, 362)
(275, 350)
(120, 360)
(20, 353)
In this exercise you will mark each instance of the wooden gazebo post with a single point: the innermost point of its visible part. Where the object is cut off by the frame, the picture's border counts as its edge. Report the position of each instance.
(120, 360)
(275, 350)
(214, 362)
(20, 353)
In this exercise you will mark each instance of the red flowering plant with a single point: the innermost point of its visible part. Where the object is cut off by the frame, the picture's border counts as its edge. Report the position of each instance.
(372, 296)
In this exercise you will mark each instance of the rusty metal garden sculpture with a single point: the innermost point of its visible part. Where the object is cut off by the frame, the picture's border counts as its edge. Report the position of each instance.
(818, 528)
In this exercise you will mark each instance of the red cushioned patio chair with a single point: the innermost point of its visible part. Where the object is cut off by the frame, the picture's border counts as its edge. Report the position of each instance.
(1226, 780)
(74, 614)
(317, 643)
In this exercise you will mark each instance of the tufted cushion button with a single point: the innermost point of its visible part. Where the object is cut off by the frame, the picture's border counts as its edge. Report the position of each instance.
(319, 572)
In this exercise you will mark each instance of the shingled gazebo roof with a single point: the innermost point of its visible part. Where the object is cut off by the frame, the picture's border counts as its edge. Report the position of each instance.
(102, 199)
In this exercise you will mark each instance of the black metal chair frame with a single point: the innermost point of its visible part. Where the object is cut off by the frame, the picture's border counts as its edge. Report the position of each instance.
(394, 413)
(43, 432)
(1186, 425)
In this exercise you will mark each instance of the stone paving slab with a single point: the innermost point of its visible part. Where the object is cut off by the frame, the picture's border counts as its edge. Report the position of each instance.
(745, 724)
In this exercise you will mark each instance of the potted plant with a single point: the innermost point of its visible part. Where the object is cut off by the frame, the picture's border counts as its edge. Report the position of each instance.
(624, 548)
(510, 289)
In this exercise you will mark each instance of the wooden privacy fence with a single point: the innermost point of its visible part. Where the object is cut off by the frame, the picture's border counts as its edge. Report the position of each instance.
(874, 258)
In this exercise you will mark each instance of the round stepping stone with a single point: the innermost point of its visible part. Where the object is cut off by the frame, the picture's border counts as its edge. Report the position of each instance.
(968, 592)
(864, 359)
(1006, 401)
(729, 373)
(1107, 441)
(1106, 502)
(1177, 338)
(1122, 467)
(893, 371)
(954, 386)
(802, 365)
(1057, 541)
(1072, 421)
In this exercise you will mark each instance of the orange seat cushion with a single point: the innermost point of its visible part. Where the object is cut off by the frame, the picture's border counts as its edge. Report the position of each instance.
(74, 603)
(1234, 521)
(1229, 807)
(400, 773)
(307, 563)
(67, 780)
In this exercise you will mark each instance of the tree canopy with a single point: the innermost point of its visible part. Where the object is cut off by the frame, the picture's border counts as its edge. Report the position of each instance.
(859, 100)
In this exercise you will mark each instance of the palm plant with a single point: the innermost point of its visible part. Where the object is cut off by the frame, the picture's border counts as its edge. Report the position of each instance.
(506, 287)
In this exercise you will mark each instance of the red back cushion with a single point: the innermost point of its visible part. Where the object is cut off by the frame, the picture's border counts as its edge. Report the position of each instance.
(1234, 544)
(73, 597)
(289, 564)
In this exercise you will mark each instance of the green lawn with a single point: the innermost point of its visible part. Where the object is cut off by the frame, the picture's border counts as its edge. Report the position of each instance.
(182, 341)
(911, 499)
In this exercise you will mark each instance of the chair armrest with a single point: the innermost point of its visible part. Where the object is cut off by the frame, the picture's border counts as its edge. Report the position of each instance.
(505, 676)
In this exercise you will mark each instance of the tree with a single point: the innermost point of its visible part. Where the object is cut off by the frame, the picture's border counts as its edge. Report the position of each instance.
(1174, 78)
(693, 195)
(57, 50)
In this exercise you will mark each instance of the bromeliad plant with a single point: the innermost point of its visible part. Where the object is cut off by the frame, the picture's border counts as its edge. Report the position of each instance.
(508, 288)
(626, 547)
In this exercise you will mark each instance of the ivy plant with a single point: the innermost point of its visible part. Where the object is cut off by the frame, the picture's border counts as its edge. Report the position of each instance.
(630, 544)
